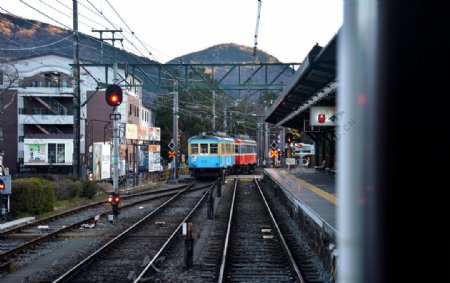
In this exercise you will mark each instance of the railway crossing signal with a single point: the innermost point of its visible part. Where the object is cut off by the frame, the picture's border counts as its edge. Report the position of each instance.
(274, 153)
(114, 95)
(171, 155)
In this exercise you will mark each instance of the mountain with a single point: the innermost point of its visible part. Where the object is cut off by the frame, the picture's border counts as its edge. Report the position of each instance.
(256, 76)
(21, 37)
(227, 53)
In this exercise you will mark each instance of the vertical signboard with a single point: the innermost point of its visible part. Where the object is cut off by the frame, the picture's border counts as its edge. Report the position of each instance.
(101, 161)
(143, 158)
(131, 132)
(154, 133)
(154, 158)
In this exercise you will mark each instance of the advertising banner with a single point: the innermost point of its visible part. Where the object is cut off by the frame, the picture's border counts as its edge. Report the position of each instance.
(143, 133)
(143, 158)
(35, 153)
(131, 132)
(101, 158)
(154, 158)
(154, 133)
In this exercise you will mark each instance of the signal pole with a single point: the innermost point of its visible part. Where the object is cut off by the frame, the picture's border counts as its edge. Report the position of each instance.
(115, 124)
(266, 137)
(214, 110)
(175, 130)
(115, 139)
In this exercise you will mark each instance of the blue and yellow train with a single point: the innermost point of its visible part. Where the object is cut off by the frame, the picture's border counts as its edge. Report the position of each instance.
(216, 154)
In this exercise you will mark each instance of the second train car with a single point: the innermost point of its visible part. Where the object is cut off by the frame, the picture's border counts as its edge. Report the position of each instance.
(216, 154)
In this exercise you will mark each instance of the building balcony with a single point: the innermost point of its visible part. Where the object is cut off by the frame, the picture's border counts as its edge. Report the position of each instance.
(45, 118)
(47, 90)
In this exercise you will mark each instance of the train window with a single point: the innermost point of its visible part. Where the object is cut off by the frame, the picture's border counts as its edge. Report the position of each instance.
(236, 149)
(194, 148)
(213, 148)
(203, 148)
(228, 148)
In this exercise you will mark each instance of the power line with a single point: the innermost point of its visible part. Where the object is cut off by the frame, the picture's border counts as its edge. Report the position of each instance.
(36, 47)
(44, 14)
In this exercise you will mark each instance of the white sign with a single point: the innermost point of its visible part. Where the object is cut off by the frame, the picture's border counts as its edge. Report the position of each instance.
(323, 116)
(290, 161)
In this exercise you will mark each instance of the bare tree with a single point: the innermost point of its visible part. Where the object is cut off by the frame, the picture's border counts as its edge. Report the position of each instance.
(9, 75)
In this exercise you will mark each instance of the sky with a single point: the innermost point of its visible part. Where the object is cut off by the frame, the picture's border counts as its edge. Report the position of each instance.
(165, 29)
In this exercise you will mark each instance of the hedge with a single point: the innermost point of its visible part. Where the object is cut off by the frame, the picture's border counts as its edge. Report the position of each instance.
(32, 195)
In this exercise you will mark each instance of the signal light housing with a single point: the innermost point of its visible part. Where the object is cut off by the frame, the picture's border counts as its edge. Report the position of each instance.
(114, 199)
(114, 95)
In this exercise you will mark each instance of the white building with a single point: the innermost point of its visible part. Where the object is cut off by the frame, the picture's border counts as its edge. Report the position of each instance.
(37, 120)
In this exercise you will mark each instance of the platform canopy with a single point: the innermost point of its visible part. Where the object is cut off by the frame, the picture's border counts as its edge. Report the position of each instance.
(314, 84)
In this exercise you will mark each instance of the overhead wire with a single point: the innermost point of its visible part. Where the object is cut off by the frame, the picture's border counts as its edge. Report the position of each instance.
(101, 13)
(115, 26)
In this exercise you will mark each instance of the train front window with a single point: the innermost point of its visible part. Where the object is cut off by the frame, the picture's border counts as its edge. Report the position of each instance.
(194, 148)
(213, 148)
(203, 148)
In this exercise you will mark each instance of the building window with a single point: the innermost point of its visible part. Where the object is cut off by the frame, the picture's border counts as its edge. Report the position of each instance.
(52, 79)
(52, 153)
(56, 153)
(61, 153)
(20, 138)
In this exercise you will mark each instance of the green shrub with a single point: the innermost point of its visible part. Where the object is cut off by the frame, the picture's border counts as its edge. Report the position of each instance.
(32, 195)
(67, 188)
(105, 187)
(89, 189)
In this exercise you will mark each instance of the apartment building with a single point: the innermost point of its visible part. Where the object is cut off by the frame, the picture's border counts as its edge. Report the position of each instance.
(37, 113)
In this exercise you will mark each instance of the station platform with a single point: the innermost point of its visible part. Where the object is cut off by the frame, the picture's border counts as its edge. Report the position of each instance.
(313, 192)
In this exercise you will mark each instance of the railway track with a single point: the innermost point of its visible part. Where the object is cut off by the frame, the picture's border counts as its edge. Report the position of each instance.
(131, 255)
(17, 240)
(254, 248)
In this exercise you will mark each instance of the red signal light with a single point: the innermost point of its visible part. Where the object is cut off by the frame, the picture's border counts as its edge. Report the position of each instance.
(117, 199)
(110, 199)
(2, 185)
(114, 95)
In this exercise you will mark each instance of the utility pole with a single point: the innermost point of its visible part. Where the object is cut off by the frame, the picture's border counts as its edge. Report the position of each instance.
(175, 130)
(76, 94)
(266, 137)
(225, 125)
(214, 110)
(282, 156)
(112, 39)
